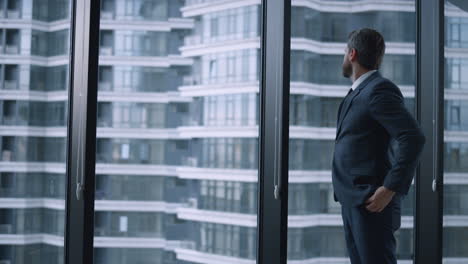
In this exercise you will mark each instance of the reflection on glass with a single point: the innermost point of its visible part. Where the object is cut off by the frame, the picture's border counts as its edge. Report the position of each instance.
(34, 49)
(177, 122)
(319, 36)
(455, 246)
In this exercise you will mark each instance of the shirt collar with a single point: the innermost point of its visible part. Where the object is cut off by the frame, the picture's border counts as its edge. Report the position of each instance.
(361, 79)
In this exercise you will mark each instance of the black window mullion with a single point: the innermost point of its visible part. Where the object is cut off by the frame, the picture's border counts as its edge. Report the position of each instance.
(82, 132)
(274, 136)
(430, 110)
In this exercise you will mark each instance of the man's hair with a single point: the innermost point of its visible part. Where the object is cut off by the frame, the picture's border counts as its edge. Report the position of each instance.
(370, 47)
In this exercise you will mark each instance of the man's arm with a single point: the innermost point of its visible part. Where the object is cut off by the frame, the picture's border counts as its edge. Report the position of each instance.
(387, 107)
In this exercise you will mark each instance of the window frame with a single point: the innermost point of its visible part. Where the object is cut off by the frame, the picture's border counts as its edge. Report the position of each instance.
(81, 131)
(272, 213)
(428, 211)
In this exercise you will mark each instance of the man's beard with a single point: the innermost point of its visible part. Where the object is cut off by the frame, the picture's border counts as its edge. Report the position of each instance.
(347, 69)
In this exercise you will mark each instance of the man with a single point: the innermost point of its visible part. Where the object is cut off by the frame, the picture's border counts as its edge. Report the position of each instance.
(377, 148)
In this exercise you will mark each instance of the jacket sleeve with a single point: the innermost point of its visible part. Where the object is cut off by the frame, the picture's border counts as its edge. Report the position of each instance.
(386, 106)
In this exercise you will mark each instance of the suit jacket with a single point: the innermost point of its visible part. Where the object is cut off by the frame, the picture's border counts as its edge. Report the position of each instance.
(378, 142)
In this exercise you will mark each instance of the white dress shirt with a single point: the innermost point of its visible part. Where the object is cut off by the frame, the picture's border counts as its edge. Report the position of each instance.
(361, 79)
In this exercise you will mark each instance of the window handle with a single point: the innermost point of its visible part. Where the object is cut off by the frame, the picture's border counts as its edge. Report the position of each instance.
(80, 164)
(81, 100)
(277, 161)
(278, 123)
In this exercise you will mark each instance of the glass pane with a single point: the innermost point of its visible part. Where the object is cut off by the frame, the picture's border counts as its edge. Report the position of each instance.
(455, 241)
(319, 37)
(177, 128)
(34, 60)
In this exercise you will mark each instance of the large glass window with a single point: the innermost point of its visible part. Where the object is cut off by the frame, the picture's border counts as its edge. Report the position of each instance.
(34, 62)
(456, 134)
(319, 35)
(177, 128)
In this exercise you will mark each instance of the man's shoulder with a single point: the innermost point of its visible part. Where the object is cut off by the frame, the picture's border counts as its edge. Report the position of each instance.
(380, 83)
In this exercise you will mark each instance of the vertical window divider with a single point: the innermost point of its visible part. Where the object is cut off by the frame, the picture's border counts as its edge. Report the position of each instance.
(428, 213)
(274, 132)
(81, 145)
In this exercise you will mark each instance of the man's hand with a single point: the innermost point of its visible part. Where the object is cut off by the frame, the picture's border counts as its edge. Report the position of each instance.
(380, 199)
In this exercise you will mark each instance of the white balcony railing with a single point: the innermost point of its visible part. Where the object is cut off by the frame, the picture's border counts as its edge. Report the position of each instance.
(9, 120)
(107, 15)
(192, 202)
(6, 155)
(13, 14)
(196, 2)
(190, 161)
(11, 49)
(191, 80)
(105, 51)
(192, 40)
(105, 86)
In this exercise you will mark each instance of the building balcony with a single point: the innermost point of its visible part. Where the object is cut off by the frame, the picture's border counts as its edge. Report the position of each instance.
(189, 170)
(6, 228)
(107, 15)
(330, 90)
(189, 132)
(191, 80)
(10, 85)
(224, 37)
(218, 88)
(335, 48)
(106, 51)
(197, 2)
(221, 46)
(129, 242)
(200, 7)
(105, 86)
(47, 167)
(21, 59)
(192, 255)
(150, 61)
(29, 95)
(137, 206)
(143, 133)
(242, 175)
(48, 239)
(13, 14)
(111, 23)
(354, 6)
(139, 96)
(12, 49)
(32, 131)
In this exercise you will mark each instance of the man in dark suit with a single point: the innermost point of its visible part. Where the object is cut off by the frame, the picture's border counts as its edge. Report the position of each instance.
(377, 147)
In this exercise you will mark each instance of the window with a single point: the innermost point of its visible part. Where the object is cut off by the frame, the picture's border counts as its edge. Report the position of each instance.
(7, 180)
(34, 41)
(455, 115)
(152, 160)
(214, 27)
(455, 230)
(317, 88)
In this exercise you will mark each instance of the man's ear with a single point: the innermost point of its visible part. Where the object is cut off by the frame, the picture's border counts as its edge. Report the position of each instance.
(352, 55)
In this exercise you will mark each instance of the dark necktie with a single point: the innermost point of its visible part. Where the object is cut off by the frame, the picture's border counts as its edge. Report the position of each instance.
(342, 104)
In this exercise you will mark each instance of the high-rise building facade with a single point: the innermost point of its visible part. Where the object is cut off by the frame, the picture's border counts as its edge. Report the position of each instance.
(177, 128)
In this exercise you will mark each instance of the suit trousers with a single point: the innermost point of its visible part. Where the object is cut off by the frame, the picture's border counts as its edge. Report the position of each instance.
(370, 236)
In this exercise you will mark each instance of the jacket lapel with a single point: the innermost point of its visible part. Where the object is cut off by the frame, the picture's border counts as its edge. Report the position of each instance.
(347, 105)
